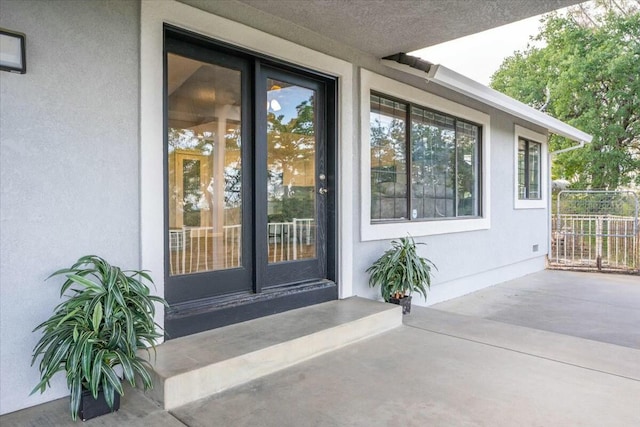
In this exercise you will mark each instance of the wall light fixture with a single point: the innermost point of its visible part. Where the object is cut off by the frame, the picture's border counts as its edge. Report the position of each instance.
(13, 57)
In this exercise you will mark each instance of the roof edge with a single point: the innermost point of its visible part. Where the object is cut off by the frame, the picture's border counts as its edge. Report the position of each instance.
(450, 79)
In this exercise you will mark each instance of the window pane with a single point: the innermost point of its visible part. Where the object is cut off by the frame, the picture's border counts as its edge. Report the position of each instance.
(204, 166)
(388, 162)
(291, 154)
(433, 164)
(522, 150)
(467, 182)
(534, 170)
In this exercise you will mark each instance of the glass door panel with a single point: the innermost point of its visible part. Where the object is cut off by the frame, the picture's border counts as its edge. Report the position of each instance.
(204, 153)
(247, 182)
(249, 173)
(291, 172)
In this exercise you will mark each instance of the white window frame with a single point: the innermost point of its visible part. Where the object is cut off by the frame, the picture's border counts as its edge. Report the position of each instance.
(369, 82)
(532, 136)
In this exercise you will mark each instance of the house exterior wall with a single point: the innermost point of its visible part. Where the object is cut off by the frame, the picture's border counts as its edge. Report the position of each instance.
(81, 157)
(468, 261)
(69, 161)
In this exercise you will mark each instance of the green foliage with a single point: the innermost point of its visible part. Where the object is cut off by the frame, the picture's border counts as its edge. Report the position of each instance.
(291, 149)
(586, 75)
(299, 203)
(295, 139)
(400, 270)
(107, 316)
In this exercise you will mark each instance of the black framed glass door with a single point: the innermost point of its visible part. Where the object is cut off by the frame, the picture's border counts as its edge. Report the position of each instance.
(208, 184)
(248, 175)
(291, 152)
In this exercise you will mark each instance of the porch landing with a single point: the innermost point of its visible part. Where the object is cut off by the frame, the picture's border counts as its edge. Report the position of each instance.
(196, 366)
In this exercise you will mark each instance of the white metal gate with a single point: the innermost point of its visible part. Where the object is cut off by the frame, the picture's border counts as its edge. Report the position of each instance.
(596, 230)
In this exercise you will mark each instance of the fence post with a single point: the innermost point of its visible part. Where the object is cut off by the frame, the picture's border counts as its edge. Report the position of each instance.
(599, 232)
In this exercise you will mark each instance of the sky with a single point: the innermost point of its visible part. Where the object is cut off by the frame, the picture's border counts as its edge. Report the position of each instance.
(479, 55)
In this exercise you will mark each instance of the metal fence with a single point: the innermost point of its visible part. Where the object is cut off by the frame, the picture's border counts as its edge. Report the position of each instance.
(596, 230)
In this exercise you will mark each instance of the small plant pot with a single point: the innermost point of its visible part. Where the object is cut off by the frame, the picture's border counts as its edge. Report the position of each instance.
(405, 302)
(91, 408)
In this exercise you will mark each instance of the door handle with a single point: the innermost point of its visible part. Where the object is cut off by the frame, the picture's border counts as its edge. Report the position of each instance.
(323, 190)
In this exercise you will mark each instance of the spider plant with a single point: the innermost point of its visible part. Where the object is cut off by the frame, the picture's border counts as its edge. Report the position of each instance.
(108, 315)
(400, 271)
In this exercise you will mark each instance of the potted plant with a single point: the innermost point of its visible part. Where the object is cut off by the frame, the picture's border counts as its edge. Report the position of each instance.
(400, 271)
(107, 316)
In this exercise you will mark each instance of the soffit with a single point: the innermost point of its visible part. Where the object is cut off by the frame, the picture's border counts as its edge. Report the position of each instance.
(385, 27)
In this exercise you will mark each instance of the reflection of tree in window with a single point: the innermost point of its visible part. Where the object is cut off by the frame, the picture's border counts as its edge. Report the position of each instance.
(443, 178)
(528, 170)
(433, 164)
(467, 176)
(191, 192)
(388, 159)
(291, 158)
(232, 170)
(187, 139)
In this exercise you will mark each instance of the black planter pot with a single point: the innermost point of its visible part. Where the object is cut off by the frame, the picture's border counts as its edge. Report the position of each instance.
(91, 408)
(405, 302)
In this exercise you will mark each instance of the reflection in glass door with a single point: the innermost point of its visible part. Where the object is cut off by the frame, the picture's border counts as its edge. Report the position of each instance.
(204, 166)
(291, 172)
(247, 181)
(249, 178)
(291, 176)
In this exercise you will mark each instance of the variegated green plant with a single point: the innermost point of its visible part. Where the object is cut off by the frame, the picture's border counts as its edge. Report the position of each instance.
(108, 315)
(400, 271)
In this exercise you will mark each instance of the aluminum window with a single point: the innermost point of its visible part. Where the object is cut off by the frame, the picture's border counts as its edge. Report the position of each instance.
(425, 165)
(529, 170)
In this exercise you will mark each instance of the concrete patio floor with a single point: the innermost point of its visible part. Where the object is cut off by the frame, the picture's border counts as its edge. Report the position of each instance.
(550, 349)
(595, 306)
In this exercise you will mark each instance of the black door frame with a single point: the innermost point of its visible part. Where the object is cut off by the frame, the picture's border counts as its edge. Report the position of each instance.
(192, 312)
(191, 287)
(279, 274)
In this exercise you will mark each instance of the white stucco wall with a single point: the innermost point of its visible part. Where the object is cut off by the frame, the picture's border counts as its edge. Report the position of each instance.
(69, 165)
(79, 142)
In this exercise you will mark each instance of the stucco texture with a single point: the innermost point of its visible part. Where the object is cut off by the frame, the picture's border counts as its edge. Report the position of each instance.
(69, 165)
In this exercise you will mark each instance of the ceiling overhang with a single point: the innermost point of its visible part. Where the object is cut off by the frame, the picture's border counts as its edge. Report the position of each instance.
(385, 27)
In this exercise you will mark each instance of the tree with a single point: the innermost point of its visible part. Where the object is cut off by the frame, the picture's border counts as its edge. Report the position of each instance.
(587, 73)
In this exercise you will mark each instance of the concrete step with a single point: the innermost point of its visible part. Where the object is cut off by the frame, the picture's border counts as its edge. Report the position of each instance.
(196, 366)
